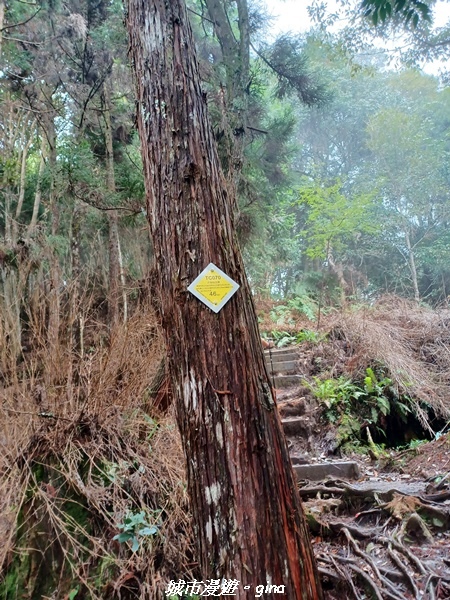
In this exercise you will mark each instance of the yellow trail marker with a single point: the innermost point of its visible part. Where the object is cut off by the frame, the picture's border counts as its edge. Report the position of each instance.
(213, 287)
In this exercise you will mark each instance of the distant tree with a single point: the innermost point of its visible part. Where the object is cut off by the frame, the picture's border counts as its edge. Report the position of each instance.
(334, 221)
(408, 168)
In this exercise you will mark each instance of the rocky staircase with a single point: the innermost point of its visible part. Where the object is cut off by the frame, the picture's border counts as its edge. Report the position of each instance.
(283, 366)
(284, 369)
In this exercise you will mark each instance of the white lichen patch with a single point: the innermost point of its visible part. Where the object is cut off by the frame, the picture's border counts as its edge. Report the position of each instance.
(227, 420)
(209, 530)
(223, 556)
(191, 390)
(212, 493)
(217, 526)
(219, 434)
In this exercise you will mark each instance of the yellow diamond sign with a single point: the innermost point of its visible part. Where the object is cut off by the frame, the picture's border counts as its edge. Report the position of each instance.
(213, 287)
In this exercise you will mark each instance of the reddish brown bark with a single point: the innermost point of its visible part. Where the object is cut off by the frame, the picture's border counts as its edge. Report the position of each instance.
(247, 512)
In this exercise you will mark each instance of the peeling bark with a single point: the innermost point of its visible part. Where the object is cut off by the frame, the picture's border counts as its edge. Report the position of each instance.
(247, 513)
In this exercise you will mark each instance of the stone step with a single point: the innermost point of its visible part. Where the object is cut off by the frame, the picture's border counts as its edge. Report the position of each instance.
(298, 425)
(285, 381)
(281, 354)
(285, 366)
(280, 359)
(320, 471)
(292, 408)
(298, 459)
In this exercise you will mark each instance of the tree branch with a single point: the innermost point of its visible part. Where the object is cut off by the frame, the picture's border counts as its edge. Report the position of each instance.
(6, 27)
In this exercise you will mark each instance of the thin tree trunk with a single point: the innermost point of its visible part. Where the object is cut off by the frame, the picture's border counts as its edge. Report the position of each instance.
(247, 513)
(117, 289)
(2, 19)
(412, 266)
(54, 297)
(338, 270)
(12, 330)
(7, 195)
(74, 303)
(23, 168)
(38, 192)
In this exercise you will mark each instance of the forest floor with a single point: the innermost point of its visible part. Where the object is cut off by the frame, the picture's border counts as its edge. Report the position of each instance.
(88, 461)
(385, 534)
(374, 390)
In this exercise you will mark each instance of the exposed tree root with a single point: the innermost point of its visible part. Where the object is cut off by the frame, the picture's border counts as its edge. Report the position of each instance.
(391, 556)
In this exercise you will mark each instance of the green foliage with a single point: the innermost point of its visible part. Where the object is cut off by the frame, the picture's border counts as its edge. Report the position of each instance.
(414, 444)
(58, 244)
(129, 173)
(410, 11)
(135, 525)
(304, 305)
(73, 593)
(16, 577)
(282, 338)
(306, 335)
(356, 405)
(281, 315)
(334, 219)
(335, 394)
(374, 393)
(291, 66)
(284, 314)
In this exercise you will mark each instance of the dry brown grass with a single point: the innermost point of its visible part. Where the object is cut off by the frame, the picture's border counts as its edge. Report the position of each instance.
(410, 342)
(79, 454)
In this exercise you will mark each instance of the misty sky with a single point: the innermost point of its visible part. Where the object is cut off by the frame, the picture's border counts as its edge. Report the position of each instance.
(293, 14)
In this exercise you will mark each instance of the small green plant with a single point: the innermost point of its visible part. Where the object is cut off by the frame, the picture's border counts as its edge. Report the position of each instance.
(282, 338)
(73, 593)
(133, 526)
(373, 395)
(306, 335)
(354, 406)
(304, 305)
(335, 394)
(414, 444)
(281, 315)
(284, 314)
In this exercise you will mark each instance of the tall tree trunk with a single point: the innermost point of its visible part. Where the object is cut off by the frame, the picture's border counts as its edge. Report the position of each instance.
(7, 195)
(10, 303)
(116, 276)
(2, 19)
(38, 192)
(338, 269)
(234, 102)
(74, 319)
(54, 295)
(22, 181)
(248, 516)
(412, 266)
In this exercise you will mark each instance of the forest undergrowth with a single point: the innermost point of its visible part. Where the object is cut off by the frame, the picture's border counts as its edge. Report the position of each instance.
(401, 343)
(92, 486)
(93, 498)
